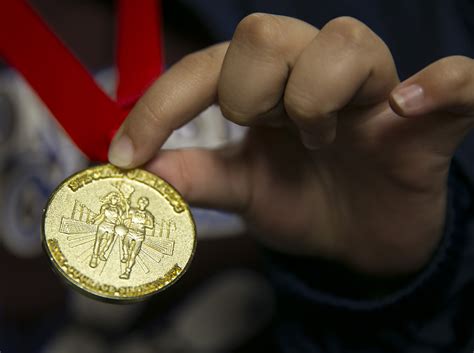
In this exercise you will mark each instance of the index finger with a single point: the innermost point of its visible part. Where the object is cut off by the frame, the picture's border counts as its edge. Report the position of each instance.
(181, 93)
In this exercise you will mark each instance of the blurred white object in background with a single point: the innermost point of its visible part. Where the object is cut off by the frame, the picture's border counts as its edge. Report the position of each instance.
(208, 130)
(35, 156)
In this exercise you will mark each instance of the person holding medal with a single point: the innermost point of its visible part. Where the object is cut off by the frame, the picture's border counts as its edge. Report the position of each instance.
(356, 173)
(108, 218)
(138, 221)
(343, 176)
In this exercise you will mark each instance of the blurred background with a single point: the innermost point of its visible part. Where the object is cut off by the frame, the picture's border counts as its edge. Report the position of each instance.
(223, 304)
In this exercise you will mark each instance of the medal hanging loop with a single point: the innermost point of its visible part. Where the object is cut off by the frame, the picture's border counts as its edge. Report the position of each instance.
(85, 112)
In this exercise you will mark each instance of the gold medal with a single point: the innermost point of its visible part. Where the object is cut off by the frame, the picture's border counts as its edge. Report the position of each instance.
(119, 235)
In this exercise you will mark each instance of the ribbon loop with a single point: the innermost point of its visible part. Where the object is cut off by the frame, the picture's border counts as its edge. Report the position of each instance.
(85, 112)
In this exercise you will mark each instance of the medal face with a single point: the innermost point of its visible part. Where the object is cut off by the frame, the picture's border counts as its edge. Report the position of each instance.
(118, 234)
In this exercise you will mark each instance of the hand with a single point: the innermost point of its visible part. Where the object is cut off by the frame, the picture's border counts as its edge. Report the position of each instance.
(341, 160)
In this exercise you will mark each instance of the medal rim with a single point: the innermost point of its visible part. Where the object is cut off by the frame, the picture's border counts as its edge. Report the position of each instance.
(105, 298)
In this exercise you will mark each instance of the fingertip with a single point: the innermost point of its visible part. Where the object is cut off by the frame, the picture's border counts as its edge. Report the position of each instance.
(408, 100)
(121, 150)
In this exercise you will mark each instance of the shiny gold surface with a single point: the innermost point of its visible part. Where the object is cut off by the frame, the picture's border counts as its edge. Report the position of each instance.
(118, 235)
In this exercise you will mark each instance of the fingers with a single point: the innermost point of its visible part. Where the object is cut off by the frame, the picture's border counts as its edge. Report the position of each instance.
(441, 97)
(345, 63)
(256, 67)
(445, 86)
(179, 95)
(207, 178)
(190, 86)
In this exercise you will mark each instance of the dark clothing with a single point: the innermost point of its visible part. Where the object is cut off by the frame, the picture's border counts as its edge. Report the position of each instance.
(325, 308)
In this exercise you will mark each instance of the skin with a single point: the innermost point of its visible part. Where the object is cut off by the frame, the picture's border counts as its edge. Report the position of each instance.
(341, 161)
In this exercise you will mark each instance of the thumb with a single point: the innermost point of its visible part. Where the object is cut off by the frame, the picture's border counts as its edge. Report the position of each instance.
(206, 178)
(440, 101)
(446, 86)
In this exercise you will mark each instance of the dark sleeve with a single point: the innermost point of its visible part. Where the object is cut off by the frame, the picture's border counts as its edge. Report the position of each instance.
(324, 307)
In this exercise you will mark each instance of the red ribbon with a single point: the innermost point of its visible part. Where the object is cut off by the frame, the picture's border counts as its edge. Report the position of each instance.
(85, 112)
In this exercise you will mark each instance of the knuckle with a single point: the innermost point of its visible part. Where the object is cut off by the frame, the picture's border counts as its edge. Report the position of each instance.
(456, 71)
(352, 31)
(149, 115)
(258, 30)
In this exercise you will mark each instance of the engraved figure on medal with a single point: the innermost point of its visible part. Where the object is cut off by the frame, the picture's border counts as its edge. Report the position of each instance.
(118, 235)
(108, 218)
(133, 226)
(138, 220)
